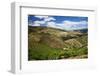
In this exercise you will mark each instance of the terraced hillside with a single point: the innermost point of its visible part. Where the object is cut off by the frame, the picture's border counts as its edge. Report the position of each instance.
(52, 44)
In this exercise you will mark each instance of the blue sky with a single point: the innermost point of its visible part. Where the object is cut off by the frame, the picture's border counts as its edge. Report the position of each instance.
(59, 22)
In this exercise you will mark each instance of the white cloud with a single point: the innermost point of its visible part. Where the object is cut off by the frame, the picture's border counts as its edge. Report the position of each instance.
(41, 17)
(68, 25)
(49, 19)
(51, 24)
(46, 18)
(39, 22)
(74, 23)
(63, 26)
(36, 24)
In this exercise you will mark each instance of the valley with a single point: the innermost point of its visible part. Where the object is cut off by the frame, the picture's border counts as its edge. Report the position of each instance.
(45, 43)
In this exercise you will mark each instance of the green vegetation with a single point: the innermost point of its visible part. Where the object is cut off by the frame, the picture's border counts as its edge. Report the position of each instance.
(52, 44)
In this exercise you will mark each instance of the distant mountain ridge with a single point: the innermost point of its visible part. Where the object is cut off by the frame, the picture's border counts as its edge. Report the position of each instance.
(84, 30)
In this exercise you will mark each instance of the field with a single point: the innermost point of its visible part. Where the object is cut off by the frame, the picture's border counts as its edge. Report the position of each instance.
(45, 43)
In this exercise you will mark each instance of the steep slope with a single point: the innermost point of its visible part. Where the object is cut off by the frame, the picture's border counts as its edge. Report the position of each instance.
(48, 43)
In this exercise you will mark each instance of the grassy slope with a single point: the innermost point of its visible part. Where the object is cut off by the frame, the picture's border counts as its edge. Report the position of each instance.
(49, 44)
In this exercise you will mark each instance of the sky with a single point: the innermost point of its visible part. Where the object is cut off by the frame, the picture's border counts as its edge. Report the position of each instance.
(59, 22)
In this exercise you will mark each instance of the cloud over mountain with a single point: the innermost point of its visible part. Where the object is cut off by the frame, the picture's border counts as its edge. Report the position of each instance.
(50, 21)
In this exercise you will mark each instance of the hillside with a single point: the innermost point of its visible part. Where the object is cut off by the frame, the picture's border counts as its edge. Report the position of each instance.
(50, 44)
